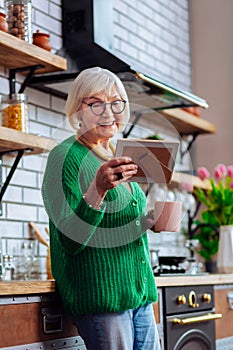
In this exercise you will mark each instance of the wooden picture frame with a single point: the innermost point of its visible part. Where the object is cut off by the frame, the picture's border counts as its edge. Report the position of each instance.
(155, 158)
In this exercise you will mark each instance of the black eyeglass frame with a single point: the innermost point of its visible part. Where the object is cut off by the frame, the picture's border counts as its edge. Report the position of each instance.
(104, 106)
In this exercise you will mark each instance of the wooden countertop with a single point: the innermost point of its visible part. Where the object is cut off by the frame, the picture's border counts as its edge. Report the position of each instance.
(38, 287)
(26, 287)
(214, 279)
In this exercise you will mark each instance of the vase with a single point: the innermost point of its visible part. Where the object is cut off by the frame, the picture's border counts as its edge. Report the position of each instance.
(211, 266)
(225, 249)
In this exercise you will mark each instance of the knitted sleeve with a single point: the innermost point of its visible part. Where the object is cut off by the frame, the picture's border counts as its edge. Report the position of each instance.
(74, 220)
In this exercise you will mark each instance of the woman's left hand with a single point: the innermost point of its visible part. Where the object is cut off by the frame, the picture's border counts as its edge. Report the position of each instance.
(150, 220)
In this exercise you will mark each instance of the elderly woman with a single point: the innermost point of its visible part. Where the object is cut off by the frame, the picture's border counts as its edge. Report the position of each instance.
(99, 248)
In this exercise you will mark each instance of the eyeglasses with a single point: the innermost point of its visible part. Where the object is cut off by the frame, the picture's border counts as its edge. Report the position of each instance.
(99, 107)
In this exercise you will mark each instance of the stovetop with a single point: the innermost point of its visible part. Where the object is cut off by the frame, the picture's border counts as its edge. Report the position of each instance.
(166, 270)
(182, 274)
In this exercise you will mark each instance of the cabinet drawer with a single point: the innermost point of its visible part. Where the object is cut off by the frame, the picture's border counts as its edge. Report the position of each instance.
(32, 319)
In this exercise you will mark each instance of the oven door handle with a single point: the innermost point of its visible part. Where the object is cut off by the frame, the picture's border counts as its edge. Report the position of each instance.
(190, 320)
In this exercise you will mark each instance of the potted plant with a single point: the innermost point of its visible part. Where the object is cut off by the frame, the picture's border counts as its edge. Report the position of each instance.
(207, 234)
(218, 213)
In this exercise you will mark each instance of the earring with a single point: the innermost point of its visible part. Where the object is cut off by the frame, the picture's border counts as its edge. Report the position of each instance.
(79, 124)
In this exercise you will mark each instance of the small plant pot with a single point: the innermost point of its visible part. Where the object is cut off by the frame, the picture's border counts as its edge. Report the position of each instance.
(42, 40)
(3, 23)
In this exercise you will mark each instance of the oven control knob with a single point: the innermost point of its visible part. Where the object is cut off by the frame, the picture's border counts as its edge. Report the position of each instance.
(206, 297)
(193, 299)
(181, 299)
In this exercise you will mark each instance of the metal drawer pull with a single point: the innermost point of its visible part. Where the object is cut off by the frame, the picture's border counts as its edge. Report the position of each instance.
(52, 320)
(191, 320)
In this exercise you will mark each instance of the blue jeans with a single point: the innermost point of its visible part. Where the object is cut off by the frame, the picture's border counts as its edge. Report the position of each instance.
(128, 330)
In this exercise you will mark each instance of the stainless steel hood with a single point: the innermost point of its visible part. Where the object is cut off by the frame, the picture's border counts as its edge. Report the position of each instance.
(87, 42)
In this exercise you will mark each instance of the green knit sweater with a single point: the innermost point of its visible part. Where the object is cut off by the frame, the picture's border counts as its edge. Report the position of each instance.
(99, 258)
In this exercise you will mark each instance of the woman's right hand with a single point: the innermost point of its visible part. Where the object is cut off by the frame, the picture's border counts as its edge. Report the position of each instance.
(109, 175)
(113, 172)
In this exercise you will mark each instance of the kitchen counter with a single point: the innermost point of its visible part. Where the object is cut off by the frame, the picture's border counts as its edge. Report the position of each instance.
(48, 286)
(26, 287)
(188, 280)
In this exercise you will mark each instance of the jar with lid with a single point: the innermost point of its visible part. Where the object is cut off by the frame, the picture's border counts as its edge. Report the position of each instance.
(42, 40)
(14, 112)
(19, 18)
(3, 22)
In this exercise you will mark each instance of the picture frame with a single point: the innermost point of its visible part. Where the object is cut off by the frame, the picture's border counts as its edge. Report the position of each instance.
(155, 158)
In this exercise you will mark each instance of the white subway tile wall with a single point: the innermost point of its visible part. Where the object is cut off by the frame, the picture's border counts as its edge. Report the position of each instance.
(152, 33)
(155, 34)
(14, 194)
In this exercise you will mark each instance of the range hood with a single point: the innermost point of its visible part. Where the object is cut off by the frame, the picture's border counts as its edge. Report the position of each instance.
(88, 41)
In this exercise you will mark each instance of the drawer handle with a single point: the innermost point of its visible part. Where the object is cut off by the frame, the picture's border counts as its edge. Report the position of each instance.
(52, 320)
(196, 319)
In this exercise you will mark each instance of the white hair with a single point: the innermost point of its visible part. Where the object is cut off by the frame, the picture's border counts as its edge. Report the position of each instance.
(89, 82)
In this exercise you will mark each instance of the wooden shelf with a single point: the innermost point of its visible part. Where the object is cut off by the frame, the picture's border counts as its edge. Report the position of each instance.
(13, 140)
(186, 123)
(194, 181)
(175, 120)
(15, 53)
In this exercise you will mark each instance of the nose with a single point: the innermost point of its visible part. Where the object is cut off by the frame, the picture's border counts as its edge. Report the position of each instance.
(108, 110)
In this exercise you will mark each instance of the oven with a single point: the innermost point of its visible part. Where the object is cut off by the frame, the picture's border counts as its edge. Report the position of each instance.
(189, 318)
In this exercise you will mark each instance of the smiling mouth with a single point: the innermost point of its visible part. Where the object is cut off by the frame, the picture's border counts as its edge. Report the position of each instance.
(107, 123)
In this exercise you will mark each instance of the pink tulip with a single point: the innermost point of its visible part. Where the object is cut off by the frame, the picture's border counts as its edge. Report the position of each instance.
(220, 171)
(203, 173)
(230, 171)
(218, 174)
(231, 185)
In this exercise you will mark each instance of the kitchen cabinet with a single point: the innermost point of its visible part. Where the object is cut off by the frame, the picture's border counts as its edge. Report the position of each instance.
(35, 320)
(32, 318)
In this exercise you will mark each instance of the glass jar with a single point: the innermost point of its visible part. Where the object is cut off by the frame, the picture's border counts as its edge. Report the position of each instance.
(19, 18)
(14, 112)
(25, 261)
(8, 268)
